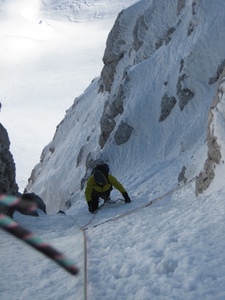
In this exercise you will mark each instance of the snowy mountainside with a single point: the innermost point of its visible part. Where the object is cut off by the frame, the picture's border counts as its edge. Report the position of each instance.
(148, 112)
(46, 60)
(80, 10)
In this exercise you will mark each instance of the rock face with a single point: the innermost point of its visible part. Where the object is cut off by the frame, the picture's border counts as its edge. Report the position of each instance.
(31, 197)
(132, 41)
(214, 155)
(7, 169)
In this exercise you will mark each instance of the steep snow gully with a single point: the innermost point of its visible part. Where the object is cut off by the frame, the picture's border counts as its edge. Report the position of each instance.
(90, 224)
(156, 116)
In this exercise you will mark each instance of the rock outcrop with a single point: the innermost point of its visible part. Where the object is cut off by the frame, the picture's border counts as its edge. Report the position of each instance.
(214, 155)
(31, 197)
(7, 170)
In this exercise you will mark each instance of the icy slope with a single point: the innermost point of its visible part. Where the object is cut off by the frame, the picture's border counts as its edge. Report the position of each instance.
(50, 52)
(149, 109)
(173, 248)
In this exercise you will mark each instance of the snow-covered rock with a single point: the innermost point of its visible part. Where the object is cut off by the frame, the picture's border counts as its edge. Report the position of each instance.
(161, 72)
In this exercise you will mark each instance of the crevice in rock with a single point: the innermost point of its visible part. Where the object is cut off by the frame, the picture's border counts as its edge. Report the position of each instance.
(110, 112)
(167, 104)
(184, 94)
(123, 133)
(180, 6)
(182, 177)
(219, 71)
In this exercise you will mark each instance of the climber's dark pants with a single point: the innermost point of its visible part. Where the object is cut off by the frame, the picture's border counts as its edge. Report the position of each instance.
(96, 195)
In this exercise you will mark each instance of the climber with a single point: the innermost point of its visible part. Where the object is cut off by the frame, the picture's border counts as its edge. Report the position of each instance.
(100, 185)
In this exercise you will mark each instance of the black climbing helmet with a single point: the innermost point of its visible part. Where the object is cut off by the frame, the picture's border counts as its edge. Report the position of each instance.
(99, 177)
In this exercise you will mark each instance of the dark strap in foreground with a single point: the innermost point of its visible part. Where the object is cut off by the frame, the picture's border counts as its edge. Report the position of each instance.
(17, 203)
(12, 227)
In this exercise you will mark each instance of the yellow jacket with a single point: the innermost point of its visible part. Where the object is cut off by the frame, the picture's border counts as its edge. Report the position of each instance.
(92, 185)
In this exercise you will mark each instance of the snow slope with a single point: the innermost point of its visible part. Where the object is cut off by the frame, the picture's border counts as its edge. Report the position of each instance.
(50, 52)
(174, 66)
(173, 248)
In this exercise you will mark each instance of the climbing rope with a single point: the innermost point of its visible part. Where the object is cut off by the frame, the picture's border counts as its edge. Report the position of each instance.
(85, 227)
(28, 237)
(85, 264)
(139, 207)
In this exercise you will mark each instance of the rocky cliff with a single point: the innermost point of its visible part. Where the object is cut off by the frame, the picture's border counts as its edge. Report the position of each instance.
(7, 169)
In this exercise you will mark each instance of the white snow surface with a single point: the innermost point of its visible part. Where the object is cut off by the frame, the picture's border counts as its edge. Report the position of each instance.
(171, 249)
(50, 52)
